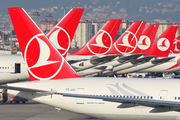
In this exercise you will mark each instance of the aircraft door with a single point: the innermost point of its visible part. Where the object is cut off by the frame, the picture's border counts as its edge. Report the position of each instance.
(80, 100)
(17, 67)
(163, 95)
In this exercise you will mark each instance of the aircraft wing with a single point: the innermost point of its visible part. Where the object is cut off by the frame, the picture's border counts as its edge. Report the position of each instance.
(162, 60)
(126, 102)
(21, 89)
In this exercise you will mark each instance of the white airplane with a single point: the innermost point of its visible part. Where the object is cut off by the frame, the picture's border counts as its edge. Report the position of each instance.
(13, 69)
(55, 83)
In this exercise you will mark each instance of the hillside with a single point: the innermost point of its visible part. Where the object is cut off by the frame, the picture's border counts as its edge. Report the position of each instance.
(100, 9)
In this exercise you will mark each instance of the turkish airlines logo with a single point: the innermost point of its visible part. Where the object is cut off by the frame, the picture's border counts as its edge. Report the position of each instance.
(144, 42)
(163, 44)
(177, 45)
(126, 44)
(41, 63)
(61, 39)
(101, 43)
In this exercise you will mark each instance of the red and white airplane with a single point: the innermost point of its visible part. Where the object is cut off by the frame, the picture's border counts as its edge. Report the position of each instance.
(62, 34)
(143, 46)
(93, 53)
(126, 44)
(160, 48)
(55, 83)
(176, 46)
(13, 69)
(170, 66)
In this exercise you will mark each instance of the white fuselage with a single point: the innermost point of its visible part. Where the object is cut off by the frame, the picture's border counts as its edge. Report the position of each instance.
(158, 89)
(12, 69)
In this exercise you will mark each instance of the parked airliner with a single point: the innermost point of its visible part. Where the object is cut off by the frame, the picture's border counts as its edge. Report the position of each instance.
(13, 69)
(54, 82)
(145, 41)
(160, 48)
(93, 53)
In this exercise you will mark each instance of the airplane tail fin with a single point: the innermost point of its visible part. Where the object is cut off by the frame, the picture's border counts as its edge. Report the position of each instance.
(42, 59)
(176, 45)
(102, 41)
(161, 47)
(146, 39)
(127, 43)
(62, 34)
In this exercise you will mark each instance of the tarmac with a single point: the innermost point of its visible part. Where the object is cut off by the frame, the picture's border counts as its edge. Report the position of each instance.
(36, 111)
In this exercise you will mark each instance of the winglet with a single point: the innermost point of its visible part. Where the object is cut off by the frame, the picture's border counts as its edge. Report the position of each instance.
(102, 41)
(62, 34)
(43, 61)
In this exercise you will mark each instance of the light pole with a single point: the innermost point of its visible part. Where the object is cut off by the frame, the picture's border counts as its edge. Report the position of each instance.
(46, 21)
(3, 28)
(49, 16)
(36, 14)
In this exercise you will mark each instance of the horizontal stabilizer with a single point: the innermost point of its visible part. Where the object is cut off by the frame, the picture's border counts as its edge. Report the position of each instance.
(74, 61)
(104, 59)
(130, 57)
(163, 60)
(142, 60)
(100, 67)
